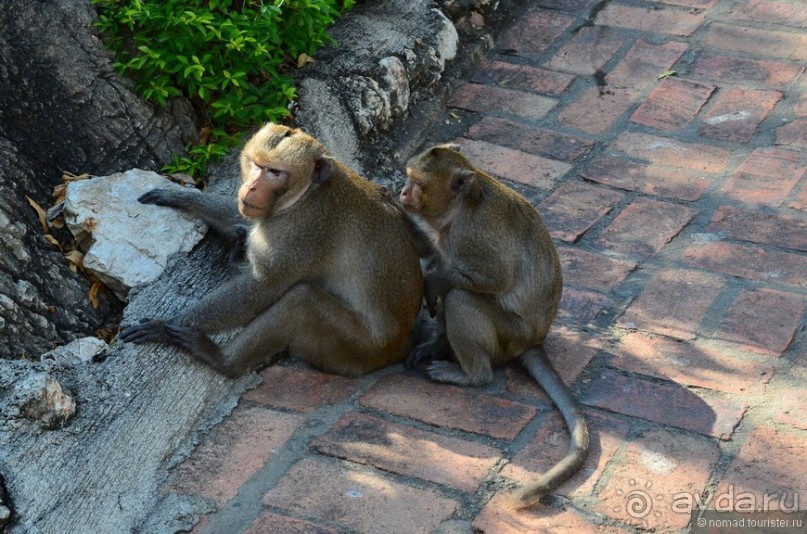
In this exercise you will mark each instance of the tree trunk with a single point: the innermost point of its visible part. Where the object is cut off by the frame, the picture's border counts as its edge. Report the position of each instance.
(62, 108)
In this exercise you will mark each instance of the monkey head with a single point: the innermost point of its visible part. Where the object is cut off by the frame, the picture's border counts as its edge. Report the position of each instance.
(438, 179)
(278, 165)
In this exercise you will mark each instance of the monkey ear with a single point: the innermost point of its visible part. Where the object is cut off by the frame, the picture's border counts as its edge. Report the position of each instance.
(323, 168)
(452, 147)
(462, 180)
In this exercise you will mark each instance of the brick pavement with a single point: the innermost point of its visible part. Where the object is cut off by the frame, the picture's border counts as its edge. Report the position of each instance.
(678, 205)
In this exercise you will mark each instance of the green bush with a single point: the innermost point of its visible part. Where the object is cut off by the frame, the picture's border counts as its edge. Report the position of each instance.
(229, 57)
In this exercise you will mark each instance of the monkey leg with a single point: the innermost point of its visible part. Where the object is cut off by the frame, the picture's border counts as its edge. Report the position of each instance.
(430, 340)
(317, 327)
(471, 333)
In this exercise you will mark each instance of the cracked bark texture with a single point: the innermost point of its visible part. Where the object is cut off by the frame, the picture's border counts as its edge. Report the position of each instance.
(62, 108)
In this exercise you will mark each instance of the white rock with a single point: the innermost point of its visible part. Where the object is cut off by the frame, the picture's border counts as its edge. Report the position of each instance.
(81, 350)
(396, 83)
(41, 398)
(448, 39)
(126, 243)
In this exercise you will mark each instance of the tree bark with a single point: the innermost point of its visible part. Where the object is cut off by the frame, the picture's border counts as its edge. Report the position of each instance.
(62, 108)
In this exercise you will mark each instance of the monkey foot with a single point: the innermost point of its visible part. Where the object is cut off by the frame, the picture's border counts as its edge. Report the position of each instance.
(436, 349)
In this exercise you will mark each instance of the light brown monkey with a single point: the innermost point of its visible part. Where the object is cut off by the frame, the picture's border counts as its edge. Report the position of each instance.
(495, 285)
(327, 280)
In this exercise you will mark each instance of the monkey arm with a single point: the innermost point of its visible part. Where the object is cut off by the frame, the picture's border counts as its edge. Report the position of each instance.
(233, 304)
(218, 212)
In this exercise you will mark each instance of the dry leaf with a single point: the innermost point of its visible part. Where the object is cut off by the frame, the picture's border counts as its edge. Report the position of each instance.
(107, 334)
(204, 135)
(53, 241)
(59, 192)
(93, 294)
(455, 116)
(666, 74)
(75, 258)
(68, 176)
(43, 219)
(303, 59)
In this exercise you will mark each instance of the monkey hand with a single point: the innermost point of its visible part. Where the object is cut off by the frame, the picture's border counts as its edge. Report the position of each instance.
(160, 197)
(147, 331)
(434, 287)
(189, 339)
(239, 248)
(436, 349)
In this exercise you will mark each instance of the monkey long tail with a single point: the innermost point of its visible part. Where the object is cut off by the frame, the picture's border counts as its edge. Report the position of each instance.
(536, 363)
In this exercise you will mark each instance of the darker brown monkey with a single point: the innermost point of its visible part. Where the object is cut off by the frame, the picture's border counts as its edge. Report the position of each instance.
(327, 281)
(495, 285)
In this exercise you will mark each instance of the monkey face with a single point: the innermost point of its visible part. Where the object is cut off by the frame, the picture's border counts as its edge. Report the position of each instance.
(278, 165)
(435, 178)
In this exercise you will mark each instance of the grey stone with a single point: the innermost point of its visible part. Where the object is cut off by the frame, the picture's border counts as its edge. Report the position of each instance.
(40, 397)
(126, 243)
(78, 351)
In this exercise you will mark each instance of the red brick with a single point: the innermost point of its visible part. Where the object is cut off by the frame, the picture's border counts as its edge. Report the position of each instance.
(695, 4)
(358, 500)
(408, 451)
(529, 169)
(670, 21)
(771, 462)
(763, 320)
(640, 67)
(673, 104)
(587, 51)
(522, 77)
(658, 468)
(665, 403)
(737, 113)
(598, 109)
(673, 303)
(574, 207)
(573, 6)
(743, 70)
(551, 443)
(760, 227)
(499, 517)
(793, 134)
(647, 178)
(800, 105)
(529, 139)
(691, 364)
(756, 42)
(271, 523)
(773, 11)
(233, 452)
(799, 200)
(799, 369)
(665, 151)
(749, 262)
(767, 176)
(534, 32)
(483, 98)
(302, 390)
(792, 407)
(568, 350)
(579, 307)
(448, 406)
(644, 227)
(591, 270)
